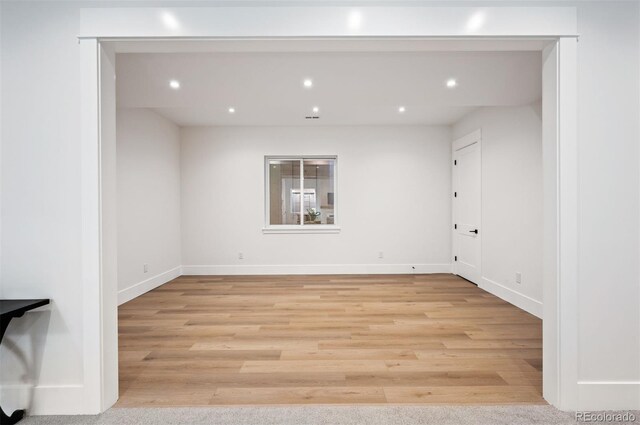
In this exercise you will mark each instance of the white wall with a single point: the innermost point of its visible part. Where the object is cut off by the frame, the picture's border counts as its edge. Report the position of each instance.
(609, 141)
(393, 195)
(148, 160)
(511, 201)
(41, 224)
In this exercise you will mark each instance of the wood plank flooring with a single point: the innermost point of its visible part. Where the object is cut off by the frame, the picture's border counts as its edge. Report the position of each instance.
(236, 340)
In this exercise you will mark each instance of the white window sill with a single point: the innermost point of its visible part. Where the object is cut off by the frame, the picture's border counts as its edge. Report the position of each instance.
(318, 228)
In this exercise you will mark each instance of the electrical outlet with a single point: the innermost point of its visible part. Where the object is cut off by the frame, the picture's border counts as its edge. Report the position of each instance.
(518, 277)
(145, 268)
(240, 256)
(380, 254)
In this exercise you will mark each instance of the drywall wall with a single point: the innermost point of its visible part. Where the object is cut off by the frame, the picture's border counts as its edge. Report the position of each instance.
(41, 223)
(608, 151)
(511, 222)
(148, 161)
(393, 196)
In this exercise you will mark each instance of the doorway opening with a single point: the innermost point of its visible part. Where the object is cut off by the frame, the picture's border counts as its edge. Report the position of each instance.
(553, 113)
(182, 120)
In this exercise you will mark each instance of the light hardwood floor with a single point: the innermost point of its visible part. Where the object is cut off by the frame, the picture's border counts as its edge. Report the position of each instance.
(419, 339)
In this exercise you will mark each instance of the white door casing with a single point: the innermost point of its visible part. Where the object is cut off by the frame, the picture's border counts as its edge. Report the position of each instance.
(558, 25)
(467, 195)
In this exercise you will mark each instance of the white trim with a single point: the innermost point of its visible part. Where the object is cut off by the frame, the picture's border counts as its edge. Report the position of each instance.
(91, 191)
(147, 285)
(319, 228)
(609, 382)
(608, 395)
(108, 225)
(44, 399)
(275, 22)
(551, 261)
(321, 21)
(567, 206)
(512, 296)
(316, 269)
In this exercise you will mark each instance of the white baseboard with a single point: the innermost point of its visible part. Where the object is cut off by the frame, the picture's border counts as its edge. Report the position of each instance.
(43, 399)
(522, 301)
(140, 288)
(317, 269)
(608, 395)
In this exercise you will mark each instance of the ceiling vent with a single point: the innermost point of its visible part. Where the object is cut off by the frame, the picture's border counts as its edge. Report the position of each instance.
(312, 117)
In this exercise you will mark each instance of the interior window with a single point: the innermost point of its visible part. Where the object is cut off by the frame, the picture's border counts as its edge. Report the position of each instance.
(301, 191)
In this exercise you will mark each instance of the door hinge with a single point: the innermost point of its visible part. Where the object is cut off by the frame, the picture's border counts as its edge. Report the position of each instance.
(455, 162)
(455, 226)
(455, 194)
(455, 258)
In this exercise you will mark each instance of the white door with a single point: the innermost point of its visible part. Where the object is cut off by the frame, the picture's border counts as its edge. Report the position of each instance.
(466, 207)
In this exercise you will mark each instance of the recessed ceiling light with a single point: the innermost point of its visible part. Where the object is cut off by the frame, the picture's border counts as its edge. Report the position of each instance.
(174, 84)
(308, 83)
(401, 109)
(315, 109)
(232, 110)
(451, 83)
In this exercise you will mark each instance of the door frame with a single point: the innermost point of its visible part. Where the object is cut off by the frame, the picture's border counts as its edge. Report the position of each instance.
(554, 25)
(462, 142)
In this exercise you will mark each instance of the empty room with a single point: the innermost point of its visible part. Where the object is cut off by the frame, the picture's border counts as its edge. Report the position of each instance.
(329, 223)
(302, 212)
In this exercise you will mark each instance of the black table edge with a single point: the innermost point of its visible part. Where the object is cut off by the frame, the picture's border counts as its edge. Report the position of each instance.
(5, 319)
(20, 311)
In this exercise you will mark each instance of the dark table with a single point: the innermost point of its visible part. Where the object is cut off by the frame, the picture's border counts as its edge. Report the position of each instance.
(8, 310)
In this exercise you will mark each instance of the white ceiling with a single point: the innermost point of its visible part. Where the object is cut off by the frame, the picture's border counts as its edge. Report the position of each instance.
(350, 88)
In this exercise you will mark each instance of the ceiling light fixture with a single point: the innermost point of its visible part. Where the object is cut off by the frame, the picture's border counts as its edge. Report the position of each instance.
(308, 83)
(354, 21)
(232, 110)
(402, 109)
(451, 83)
(476, 21)
(174, 84)
(315, 109)
(170, 21)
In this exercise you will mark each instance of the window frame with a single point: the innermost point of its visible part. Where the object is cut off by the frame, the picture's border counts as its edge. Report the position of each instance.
(299, 228)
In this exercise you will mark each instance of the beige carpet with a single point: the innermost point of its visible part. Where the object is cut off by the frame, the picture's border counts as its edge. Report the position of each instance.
(331, 415)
